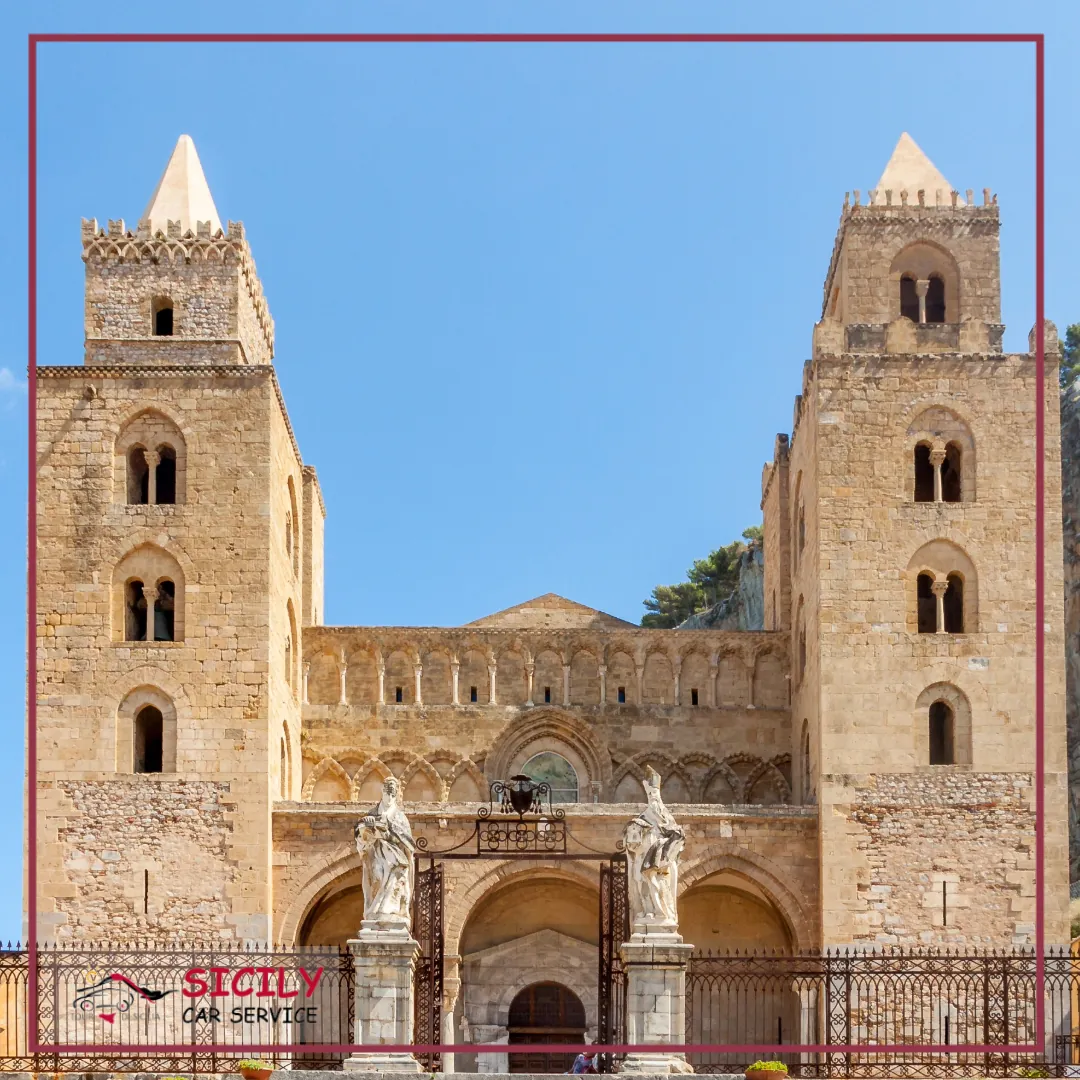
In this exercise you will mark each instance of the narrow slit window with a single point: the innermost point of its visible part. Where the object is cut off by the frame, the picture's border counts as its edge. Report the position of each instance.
(134, 612)
(399, 695)
(927, 605)
(165, 612)
(954, 605)
(924, 474)
(149, 732)
(950, 473)
(472, 693)
(622, 695)
(165, 475)
(693, 696)
(138, 477)
(547, 695)
(935, 299)
(163, 318)
(909, 298)
(941, 734)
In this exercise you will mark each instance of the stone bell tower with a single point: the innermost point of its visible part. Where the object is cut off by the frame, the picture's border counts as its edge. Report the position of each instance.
(179, 554)
(910, 522)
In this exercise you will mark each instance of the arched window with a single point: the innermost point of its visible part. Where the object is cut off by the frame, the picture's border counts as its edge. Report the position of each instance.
(942, 590)
(292, 525)
(951, 473)
(927, 605)
(290, 652)
(165, 611)
(281, 781)
(935, 299)
(150, 461)
(148, 596)
(942, 734)
(165, 476)
(134, 611)
(551, 768)
(162, 314)
(806, 782)
(802, 529)
(909, 298)
(924, 474)
(138, 477)
(953, 604)
(149, 740)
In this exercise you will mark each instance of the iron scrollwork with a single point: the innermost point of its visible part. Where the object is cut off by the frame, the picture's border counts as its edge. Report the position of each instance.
(521, 795)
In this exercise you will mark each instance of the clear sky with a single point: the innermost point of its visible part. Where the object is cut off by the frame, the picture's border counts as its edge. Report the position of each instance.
(541, 309)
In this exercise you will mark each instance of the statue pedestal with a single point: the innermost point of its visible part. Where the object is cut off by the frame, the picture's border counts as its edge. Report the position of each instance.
(655, 999)
(384, 957)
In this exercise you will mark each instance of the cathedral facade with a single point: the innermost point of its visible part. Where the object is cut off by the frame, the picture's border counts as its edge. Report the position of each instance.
(858, 773)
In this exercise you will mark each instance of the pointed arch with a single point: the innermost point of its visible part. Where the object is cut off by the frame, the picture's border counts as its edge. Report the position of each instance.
(327, 782)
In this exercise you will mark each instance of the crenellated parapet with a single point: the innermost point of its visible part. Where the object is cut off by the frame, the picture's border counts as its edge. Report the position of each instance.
(188, 266)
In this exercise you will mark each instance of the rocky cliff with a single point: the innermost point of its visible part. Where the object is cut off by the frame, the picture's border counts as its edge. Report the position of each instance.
(744, 609)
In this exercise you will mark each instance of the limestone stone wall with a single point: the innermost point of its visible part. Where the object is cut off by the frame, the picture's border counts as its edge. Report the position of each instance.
(949, 858)
(210, 282)
(1070, 494)
(214, 686)
(862, 286)
(775, 494)
(731, 747)
(878, 675)
(314, 515)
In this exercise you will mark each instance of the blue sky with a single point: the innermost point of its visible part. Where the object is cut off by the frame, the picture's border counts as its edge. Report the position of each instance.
(541, 309)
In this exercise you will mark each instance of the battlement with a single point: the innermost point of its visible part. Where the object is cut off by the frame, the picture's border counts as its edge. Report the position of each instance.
(167, 254)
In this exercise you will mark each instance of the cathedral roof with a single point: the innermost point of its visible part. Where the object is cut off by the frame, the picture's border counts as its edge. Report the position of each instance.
(909, 169)
(554, 612)
(182, 193)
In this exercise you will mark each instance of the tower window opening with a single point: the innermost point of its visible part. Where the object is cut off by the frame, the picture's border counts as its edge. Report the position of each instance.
(281, 775)
(134, 612)
(954, 605)
(950, 473)
(288, 661)
(935, 299)
(165, 611)
(138, 477)
(399, 696)
(941, 734)
(622, 695)
(927, 605)
(802, 529)
(165, 475)
(924, 474)
(163, 318)
(547, 695)
(909, 298)
(693, 696)
(149, 734)
(472, 693)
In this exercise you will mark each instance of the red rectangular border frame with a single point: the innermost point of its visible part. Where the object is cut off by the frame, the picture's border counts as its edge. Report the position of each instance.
(1040, 526)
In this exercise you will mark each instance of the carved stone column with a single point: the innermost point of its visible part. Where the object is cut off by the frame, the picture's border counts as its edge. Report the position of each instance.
(451, 989)
(678, 675)
(382, 683)
(384, 962)
(530, 670)
(937, 458)
(153, 459)
(307, 676)
(492, 669)
(714, 671)
(455, 668)
(150, 595)
(418, 674)
(920, 290)
(566, 684)
(342, 669)
(639, 670)
(603, 685)
(939, 589)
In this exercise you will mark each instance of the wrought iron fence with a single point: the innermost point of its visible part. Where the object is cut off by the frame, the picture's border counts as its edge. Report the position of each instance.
(892, 998)
(101, 996)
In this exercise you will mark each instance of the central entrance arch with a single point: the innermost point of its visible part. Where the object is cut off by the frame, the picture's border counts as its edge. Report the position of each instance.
(545, 1012)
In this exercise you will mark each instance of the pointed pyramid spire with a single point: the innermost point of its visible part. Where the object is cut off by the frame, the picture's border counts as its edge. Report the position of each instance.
(182, 193)
(909, 169)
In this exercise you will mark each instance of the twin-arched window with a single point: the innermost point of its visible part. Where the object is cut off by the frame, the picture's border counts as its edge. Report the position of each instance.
(150, 461)
(148, 602)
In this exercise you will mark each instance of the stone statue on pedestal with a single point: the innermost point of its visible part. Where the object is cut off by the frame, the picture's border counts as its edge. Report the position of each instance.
(385, 843)
(654, 842)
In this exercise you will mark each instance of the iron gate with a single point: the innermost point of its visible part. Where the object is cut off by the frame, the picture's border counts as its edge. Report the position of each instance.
(538, 834)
